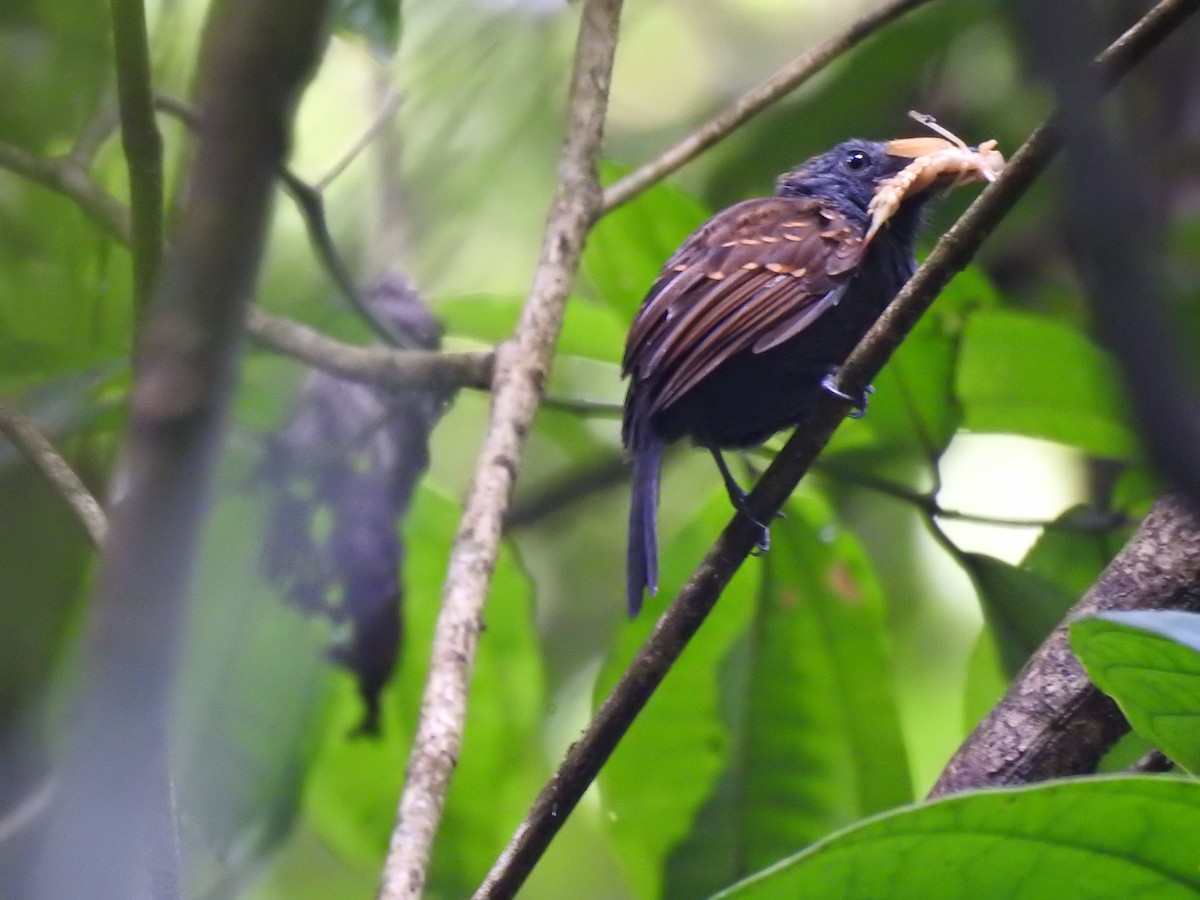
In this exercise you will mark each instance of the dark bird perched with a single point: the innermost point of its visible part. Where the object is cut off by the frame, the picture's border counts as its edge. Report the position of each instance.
(760, 305)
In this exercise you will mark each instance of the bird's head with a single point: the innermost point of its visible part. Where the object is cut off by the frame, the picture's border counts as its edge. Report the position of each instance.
(847, 174)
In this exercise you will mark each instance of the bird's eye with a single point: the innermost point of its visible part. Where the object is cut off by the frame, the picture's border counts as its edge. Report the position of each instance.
(855, 161)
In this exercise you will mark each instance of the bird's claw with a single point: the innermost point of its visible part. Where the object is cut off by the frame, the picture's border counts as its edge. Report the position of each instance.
(858, 404)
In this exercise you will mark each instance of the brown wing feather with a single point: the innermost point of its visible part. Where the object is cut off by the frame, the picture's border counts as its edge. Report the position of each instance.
(751, 277)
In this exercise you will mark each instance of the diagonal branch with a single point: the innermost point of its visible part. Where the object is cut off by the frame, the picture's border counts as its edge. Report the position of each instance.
(40, 454)
(521, 370)
(753, 102)
(64, 175)
(698, 596)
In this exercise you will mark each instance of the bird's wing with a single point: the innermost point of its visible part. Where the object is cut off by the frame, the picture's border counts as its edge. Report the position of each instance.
(752, 277)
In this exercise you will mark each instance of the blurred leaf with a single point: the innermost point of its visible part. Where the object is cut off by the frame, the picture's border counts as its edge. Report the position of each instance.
(628, 247)
(1021, 607)
(1149, 662)
(352, 792)
(816, 733)
(1037, 377)
(376, 20)
(1103, 839)
(254, 686)
(668, 762)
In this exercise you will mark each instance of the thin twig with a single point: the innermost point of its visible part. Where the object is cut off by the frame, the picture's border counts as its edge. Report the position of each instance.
(521, 372)
(62, 175)
(689, 609)
(381, 366)
(927, 503)
(388, 107)
(311, 203)
(753, 102)
(57, 473)
(142, 144)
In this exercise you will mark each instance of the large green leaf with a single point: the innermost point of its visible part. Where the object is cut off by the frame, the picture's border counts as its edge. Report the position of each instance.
(816, 734)
(1103, 839)
(670, 759)
(1149, 662)
(352, 792)
(1034, 376)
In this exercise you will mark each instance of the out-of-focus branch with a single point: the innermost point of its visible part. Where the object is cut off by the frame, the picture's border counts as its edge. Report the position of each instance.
(57, 473)
(382, 366)
(689, 609)
(1053, 721)
(311, 203)
(1114, 230)
(521, 370)
(142, 144)
(64, 175)
(256, 58)
(753, 102)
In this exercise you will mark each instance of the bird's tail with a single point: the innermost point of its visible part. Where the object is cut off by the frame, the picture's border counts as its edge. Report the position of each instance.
(642, 571)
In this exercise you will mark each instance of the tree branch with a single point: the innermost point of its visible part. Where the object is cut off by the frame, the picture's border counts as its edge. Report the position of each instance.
(142, 144)
(381, 366)
(57, 473)
(64, 176)
(257, 56)
(521, 371)
(689, 609)
(753, 102)
(1053, 721)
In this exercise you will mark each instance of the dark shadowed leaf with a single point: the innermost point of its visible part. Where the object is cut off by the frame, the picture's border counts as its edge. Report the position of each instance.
(1021, 607)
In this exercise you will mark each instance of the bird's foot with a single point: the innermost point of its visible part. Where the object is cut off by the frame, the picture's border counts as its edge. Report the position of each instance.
(858, 404)
(763, 544)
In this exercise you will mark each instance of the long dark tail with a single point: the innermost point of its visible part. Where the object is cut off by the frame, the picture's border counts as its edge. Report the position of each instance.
(642, 571)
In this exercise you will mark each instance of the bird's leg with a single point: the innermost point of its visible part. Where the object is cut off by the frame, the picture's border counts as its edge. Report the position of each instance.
(858, 404)
(737, 497)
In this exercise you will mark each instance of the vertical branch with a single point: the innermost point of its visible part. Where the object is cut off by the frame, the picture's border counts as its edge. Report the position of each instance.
(142, 143)
(521, 371)
(257, 56)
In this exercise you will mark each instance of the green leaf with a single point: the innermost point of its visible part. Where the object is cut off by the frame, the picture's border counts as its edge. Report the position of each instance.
(817, 741)
(668, 762)
(629, 246)
(378, 21)
(351, 796)
(1149, 662)
(1103, 839)
(1023, 374)
(1021, 607)
(914, 408)
(589, 329)
(1070, 555)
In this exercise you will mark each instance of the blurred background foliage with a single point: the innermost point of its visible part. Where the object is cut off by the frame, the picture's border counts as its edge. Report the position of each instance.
(840, 670)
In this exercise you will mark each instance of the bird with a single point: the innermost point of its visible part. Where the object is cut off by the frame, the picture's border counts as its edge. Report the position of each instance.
(752, 316)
